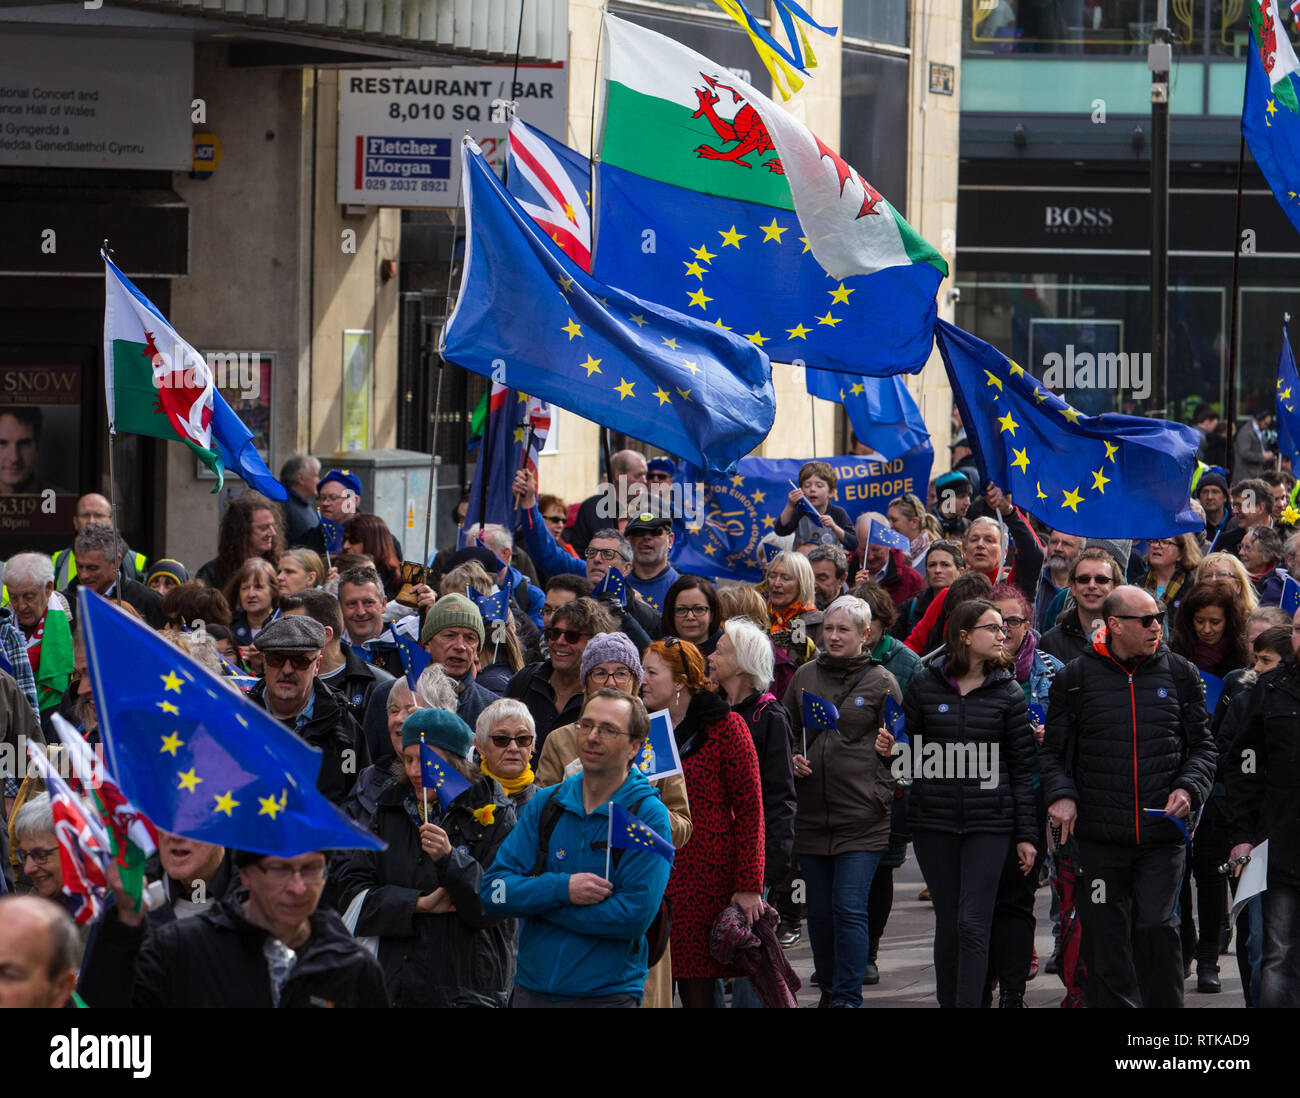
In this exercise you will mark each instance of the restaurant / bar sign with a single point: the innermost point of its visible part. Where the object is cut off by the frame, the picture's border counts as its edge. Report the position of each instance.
(88, 102)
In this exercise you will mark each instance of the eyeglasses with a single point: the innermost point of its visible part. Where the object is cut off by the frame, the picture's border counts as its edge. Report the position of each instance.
(606, 555)
(571, 636)
(656, 478)
(600, 676)
(1099, 580)
(279, 659)
(524, 740)
(604, 731)
(1014, 623)
(281, 875)
(557, 519)
(1146, 620)
(332, 499)
(691, 611)
(40, 855)
(670, 641)
(994, 628)
(1163, 543)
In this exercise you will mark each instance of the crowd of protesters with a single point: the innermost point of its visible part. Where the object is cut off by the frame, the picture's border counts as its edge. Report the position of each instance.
(1054, 734)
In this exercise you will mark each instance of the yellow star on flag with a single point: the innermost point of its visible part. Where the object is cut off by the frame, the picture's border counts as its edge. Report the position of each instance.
(1286, 393)
(858, 388)
(731, 237)
(670, 342)
(696, 270)
(167, 707)
(1039, 395)
(806, 246)
(1072, 500)
(1100, 480)
(757, 337)
(773, 231)
(1006, 423)
(1022, 460)
(270, 806)
(703, 254)
(699, 297)
(685, 394)
(172, 681)
(840, 295)
(829, 320)
(692, 366)
(719, 323)
(1111, 451)
(1072, 414)
(568, 212)
(592, 365)
(566, 283)
(1041, 494)
(624, 388)
(993, 380)
(758, 496)
(710, 549)
(768, 522)
(737, 481)
(171, 743)
(189, 780)
(638, 320)
(664, 398)
(226, 803)
(1271, 107)
(1016, 369)
(798, 332)
(573, 328)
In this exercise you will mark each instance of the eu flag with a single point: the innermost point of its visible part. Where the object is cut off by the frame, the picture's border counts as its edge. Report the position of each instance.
(770, 552)
(414, 658)
(332, 534)
(442, 778)
(882, 410)
(530, 318)
(1095, 476)
(198, 758)
(1288, 396)
(628, 831)
(894, 720)
(1270, 120)
(818, 712)
(614, 585)
(659, 756)
(884, 534)
(1212, 686)
(493, 607)
(1290, 595)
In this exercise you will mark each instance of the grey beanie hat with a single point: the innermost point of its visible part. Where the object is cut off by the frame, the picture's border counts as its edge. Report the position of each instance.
(610, 648)
(1116, 547)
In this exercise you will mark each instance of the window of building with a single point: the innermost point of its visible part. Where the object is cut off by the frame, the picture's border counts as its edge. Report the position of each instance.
(877, 21)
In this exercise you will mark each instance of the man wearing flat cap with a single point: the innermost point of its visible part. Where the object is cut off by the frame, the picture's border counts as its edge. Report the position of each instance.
(290, 691)
(453, 635)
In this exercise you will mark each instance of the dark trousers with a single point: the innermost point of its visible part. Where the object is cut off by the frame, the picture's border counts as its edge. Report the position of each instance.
(1011, 945)
(880, 902)
(1279, 976)
(963, 873)
(1210, 847)
(1128, 897)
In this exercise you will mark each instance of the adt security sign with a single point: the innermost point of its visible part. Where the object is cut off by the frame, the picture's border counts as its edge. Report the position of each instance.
(400, 129)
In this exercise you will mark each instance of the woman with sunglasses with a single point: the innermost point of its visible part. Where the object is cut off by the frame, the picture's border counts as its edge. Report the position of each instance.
(723, 862)
(555, 513)
(421, 893)
(692, 613)
(610, 660)
(965, 705)
(504, 735)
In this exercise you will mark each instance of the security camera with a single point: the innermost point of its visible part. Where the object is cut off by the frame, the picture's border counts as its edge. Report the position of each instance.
(954, 296)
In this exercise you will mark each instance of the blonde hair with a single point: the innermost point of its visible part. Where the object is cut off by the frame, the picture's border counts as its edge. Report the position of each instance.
(796, 564)
(470, 574)
(912, 507)
(1249, 599)
(743, 600)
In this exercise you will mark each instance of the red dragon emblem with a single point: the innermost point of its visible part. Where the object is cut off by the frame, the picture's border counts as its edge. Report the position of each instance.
(746, 129)
(1267, 37)
(845, 171)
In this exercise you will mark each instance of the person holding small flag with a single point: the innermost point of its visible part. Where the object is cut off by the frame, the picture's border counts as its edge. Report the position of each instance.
(884, 557)
(809, 513)
(584, 909)
(420, 896)
(845, 794)
(723, 862)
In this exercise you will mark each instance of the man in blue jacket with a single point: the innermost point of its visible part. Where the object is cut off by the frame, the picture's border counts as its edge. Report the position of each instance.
(582, 934)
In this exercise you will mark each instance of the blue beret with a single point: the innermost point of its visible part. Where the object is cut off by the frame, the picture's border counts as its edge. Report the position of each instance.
(344, 477)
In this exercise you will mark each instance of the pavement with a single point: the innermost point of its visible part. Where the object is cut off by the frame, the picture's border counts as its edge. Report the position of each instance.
(906, 958)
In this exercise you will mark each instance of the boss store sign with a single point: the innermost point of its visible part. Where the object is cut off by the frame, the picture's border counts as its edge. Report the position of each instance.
(1070, 220)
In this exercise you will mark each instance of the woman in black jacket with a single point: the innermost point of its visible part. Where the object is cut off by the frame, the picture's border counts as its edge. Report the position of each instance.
(436, 947)
(965, 711)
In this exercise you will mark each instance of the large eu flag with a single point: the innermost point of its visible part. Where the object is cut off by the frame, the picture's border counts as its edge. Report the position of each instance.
(1096, 476)
(529, 317)
(199, 758)
(1288, 397)
(882, 410)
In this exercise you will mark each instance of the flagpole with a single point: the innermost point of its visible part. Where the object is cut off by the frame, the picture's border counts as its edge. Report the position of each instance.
(424, 788)
(1230, 412)
(434, 462)
(108, 253)
(609, 845)
(523, 462)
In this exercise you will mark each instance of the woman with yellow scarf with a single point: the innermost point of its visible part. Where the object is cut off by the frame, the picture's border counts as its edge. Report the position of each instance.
(504, 735)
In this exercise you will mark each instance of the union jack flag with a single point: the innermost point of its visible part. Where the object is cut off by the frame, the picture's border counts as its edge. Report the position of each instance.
(553, 185)
(84, 843)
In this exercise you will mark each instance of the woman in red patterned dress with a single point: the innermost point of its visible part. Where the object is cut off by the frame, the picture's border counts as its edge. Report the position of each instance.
(722, 863)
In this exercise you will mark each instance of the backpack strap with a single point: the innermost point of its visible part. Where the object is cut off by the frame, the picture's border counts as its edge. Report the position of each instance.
(552, 810)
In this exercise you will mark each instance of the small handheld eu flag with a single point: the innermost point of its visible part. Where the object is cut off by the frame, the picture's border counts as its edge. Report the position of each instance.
(414, 658)
(806, 507)
(884, 534)
(613, 586)
(628, 831)
(770, 552)
(493, 607)
(894, 720)
(439, 776)
(332, 533)
(1290, 595)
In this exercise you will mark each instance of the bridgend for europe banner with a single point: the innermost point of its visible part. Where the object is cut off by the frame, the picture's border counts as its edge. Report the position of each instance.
(720, 535)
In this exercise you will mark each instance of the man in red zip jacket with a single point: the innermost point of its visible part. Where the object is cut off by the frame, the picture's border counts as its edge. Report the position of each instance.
(1127, 733)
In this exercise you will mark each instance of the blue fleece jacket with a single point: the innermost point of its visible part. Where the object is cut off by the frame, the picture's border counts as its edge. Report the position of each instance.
(580, 951)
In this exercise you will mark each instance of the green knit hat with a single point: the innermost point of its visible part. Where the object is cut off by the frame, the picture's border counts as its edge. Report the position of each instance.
(438, 728)
(449, 611)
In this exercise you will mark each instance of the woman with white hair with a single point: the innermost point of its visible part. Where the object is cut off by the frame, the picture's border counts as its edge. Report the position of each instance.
(791, 606)
(503, 737)
(845, 792)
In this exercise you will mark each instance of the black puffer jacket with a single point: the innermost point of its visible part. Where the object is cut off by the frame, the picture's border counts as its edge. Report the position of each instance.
(1121, 738)
(461, 958)
(994, 719)
(769, 724)
(1066, 640)
(356, 680)
(1264, 785)
(215, 959)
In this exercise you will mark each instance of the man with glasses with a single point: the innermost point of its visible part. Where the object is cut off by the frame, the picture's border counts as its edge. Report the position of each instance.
(1093, 576)
(291, 650)
(1126, 759)
(582, 925)
(92, 508)
(552, 688)
(266, 944)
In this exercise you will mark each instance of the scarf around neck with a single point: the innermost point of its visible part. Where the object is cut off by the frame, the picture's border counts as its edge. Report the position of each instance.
(510, 785)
